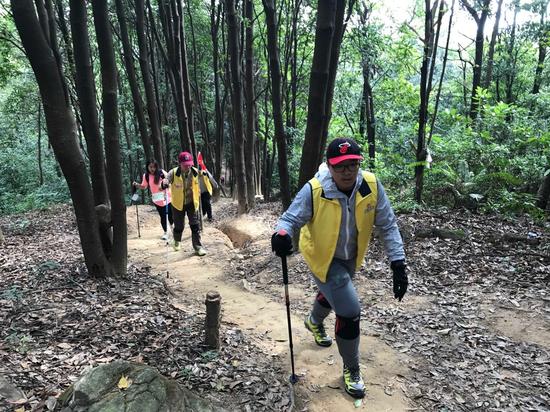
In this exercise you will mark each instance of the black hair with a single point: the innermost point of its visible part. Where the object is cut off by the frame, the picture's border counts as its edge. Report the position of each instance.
(158, 172)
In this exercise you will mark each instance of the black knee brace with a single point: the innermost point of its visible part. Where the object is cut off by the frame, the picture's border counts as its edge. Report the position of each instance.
(195, 228)
(347, 328)
(323, 301)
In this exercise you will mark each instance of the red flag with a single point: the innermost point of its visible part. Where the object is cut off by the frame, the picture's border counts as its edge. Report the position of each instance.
(200, 161)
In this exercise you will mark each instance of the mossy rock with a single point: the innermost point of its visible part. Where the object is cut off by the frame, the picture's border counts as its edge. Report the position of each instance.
(147, 391)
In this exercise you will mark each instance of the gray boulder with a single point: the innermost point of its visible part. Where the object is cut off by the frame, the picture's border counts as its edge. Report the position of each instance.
(146, 391)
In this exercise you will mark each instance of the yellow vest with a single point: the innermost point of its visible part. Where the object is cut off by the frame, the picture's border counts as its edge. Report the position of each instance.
(318, 238)
(207, 183)
(178, 189)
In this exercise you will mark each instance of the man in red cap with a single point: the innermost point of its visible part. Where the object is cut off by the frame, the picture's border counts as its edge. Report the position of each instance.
(336, 212)
(184, 187)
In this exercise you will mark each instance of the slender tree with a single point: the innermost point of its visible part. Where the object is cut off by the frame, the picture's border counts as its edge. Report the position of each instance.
(233, 30)
(145, 66)
(250, 100)
(111, 132)
(544, 41)
(492, 44)
(85, 87)
(132, 79)
(276, 103)
(480, 18)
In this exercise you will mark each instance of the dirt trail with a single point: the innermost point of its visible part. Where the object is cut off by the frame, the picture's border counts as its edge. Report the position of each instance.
(320, 387)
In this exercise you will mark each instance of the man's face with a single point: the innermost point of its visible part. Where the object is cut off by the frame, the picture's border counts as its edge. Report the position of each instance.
(344, 174)
(185, 167)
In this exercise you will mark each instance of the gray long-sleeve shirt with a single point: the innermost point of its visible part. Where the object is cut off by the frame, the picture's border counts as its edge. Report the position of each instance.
(300, 212)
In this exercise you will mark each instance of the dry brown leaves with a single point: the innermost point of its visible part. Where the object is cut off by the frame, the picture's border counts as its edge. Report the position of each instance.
(462, 358)
(55, 322)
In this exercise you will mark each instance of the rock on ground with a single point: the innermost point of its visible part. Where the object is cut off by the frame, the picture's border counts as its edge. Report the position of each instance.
(130, 387)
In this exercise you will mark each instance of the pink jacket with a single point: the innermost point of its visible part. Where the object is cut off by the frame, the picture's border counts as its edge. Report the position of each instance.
(157, 193)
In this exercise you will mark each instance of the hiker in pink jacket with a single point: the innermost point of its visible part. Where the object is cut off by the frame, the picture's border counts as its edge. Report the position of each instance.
(152, 178)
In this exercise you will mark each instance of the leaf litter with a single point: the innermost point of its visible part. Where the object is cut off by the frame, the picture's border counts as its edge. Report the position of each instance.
(55, 322)
(457, 324)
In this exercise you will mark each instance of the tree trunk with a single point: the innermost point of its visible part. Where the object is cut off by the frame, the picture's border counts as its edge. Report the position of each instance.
(62, 133)
(318, 83)
(185, 81)
(215, 17)
(478, 60)
(132, 80)
(85, 87)
(492, 44)
(39, 144)
(442, 76)
(275, 75)
(511, 70)
(250, 133)
(431, 36)
(333, 67)
(367, 114)
(544, 39)
(147, 82)
(233, 30)
(111, 131)
(543, 194)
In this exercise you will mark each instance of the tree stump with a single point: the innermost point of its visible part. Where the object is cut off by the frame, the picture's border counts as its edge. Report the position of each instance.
(212, 322)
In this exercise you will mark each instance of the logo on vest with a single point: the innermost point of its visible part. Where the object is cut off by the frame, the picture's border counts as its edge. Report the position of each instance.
(369, 208)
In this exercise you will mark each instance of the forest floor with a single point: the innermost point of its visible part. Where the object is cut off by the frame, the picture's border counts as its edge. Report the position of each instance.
(473, 332)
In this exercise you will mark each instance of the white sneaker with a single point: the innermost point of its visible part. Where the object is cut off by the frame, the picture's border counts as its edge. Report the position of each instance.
(165, 236)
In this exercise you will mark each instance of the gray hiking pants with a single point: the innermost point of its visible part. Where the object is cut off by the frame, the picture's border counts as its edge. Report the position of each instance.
(340, 295)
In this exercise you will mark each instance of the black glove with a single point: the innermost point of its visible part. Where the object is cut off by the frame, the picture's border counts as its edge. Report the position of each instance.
(400, 280)
(281, 243)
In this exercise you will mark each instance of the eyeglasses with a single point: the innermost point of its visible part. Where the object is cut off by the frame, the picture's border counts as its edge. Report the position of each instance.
(352, 167)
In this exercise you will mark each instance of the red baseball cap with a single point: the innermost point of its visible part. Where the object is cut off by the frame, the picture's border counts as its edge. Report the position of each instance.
(341, 149)
(186, 158)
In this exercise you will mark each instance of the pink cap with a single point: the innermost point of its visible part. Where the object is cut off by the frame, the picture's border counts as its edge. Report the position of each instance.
(185, 159)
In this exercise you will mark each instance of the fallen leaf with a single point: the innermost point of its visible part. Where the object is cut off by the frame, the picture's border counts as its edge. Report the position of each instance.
(124, 382)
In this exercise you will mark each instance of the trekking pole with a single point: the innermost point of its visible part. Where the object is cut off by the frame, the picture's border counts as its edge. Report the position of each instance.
(293, 378)
(135, 198)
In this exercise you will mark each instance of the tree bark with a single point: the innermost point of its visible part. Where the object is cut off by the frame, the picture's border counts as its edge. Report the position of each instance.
(215, 16)
(147, 82)
(111, 132)
(276, 104)
(62, 132)
(511, 71)
(339, 28)
(233, 30)
(186, 82)
(544, 39)
(432, 29)
(85, 88)
(480, 19)
(39, 144)
(132, 80)
(543, 194)
(250, 133)
(318, 83)
(492, 44)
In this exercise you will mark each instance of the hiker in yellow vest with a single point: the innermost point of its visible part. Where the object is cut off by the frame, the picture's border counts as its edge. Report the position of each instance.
(184, 187)
(207, 183)
(337, 211)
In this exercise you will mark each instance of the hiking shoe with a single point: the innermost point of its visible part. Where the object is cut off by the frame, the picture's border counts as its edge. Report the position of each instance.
(353, 382)
(165, 236)
(200, 251)
(176, 245)
(321, 337)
